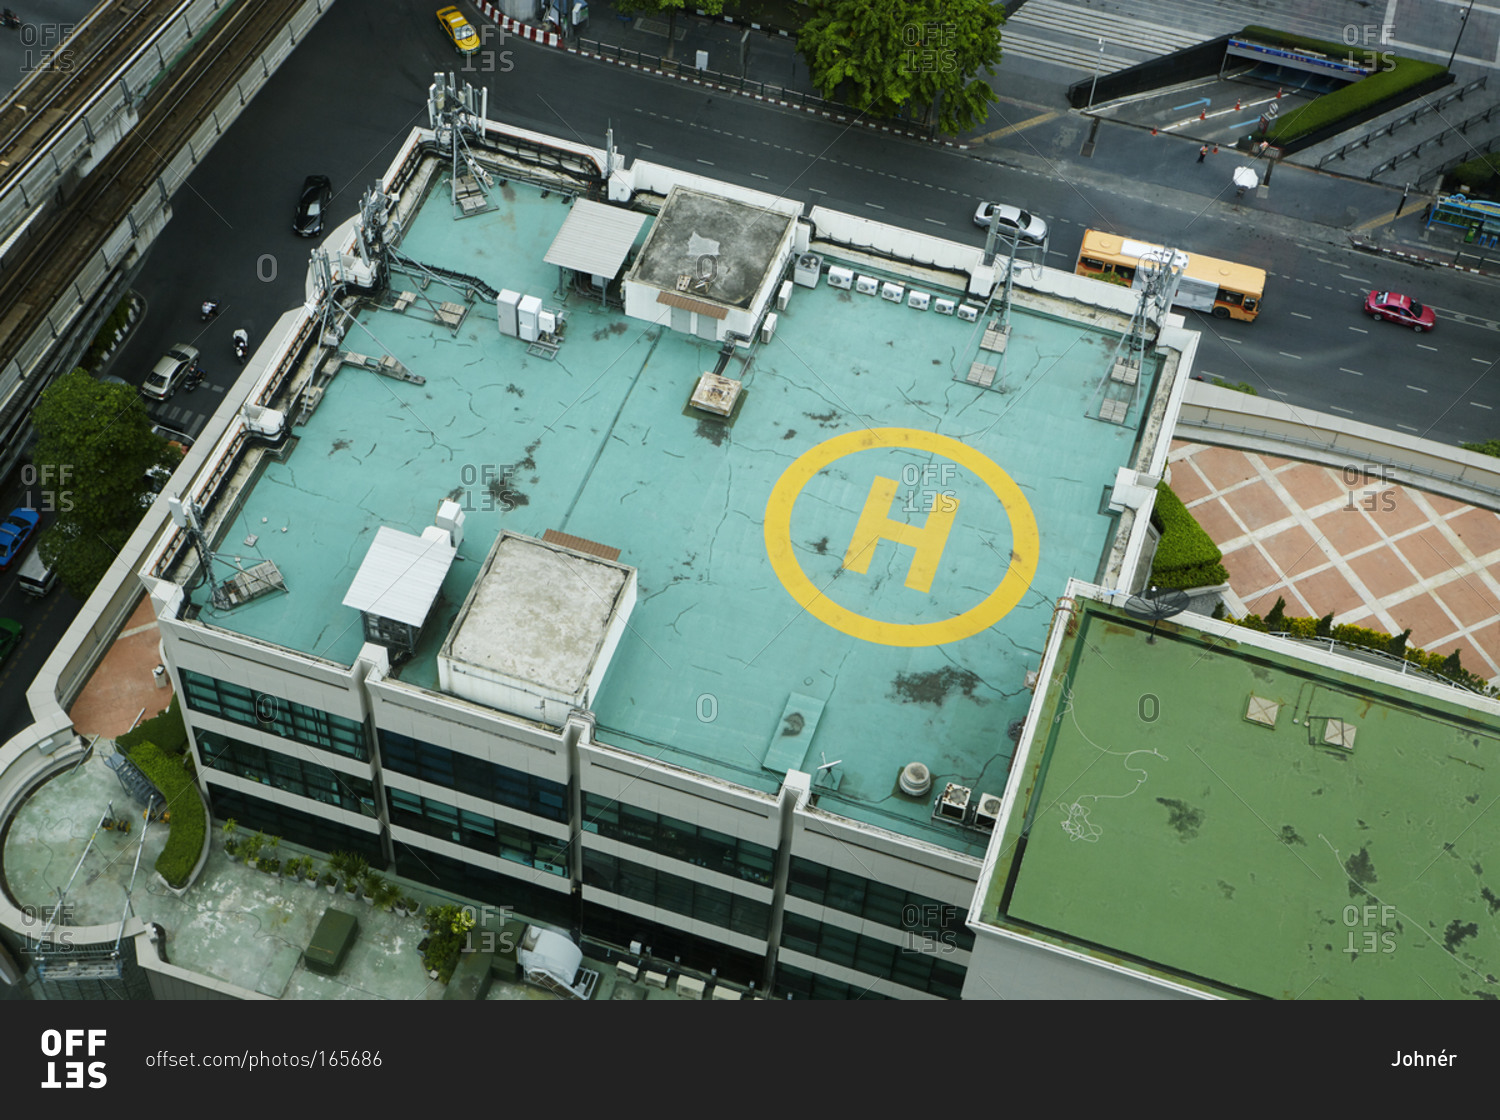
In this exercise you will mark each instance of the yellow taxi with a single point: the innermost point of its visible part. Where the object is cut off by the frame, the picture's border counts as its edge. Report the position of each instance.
(464, 37)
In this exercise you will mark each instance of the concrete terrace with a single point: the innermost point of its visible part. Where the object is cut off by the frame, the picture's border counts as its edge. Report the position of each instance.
(1251, 852)
(732, 635)
(237, 925)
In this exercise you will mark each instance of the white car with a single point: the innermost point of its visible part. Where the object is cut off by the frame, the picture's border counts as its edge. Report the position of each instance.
(1011, 222)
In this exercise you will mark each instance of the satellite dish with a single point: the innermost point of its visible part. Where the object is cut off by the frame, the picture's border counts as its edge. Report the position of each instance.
(1157, 604)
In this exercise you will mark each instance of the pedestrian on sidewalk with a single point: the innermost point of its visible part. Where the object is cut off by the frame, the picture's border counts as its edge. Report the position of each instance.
(1202, 152)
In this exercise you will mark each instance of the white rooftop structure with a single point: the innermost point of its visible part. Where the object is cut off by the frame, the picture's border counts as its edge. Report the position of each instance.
(595, 238)
(536, 633)
(401, 574)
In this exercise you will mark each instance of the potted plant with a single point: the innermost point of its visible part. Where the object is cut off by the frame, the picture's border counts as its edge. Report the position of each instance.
(251, 848)
(271, 867)
(374, 886)
(410, 905)
(386, 895)
(351, 887)
(329, 881)
(231, 842)
(293, 869)
(309, 872)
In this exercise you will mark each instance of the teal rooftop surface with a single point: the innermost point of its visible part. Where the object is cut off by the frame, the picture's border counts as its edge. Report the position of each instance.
(1229, 816)
(781, 622)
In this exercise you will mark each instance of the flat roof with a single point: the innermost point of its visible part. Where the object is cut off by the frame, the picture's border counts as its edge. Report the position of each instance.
(552, 605)
(857, 420)
(732, 245)
(1248, 821)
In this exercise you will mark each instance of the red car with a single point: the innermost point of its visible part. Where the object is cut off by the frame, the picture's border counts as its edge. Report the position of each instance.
(1396, 308)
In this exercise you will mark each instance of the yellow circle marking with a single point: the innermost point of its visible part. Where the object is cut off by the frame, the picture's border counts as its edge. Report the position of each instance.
(778, 526)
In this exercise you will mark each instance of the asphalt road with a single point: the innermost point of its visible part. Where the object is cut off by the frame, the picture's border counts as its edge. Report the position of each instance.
(347, 97)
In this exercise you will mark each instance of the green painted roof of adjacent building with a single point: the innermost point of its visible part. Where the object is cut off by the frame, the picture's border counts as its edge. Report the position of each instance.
(1229, 815)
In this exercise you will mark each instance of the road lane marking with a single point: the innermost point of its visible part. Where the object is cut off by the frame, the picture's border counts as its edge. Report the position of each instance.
(1487, 407)
(1424, 346)
(1355, 279)
(706, 162)
(1353, 371)
(1416, 389)
(1359, 330)
(1336, 408)
(1300, 315)
(1284, 354)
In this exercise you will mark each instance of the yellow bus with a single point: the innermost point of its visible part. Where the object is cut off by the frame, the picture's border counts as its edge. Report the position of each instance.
(1228, 290)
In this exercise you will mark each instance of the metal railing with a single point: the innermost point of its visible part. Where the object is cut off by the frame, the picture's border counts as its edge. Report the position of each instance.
(746, 85)
(1409, 118)
(1439, 139)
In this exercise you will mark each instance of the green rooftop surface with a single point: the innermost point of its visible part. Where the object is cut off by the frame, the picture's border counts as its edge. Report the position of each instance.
(1169, 832)
(599, 443)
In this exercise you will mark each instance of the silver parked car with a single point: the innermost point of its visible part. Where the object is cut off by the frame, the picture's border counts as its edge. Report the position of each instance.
(1011, 222)
(176, 366)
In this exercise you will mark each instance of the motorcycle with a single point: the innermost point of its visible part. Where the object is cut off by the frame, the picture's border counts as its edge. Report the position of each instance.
(9, 18)
(241, 345)
(209, 309)
(193, 377)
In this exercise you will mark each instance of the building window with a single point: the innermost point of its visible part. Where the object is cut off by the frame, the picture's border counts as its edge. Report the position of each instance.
(307, 829)
(703, 847)
(672, 892)
(515, 789)
(917, 962)
(273, 715)
(939, 922)
(286, 772)
(476, 831)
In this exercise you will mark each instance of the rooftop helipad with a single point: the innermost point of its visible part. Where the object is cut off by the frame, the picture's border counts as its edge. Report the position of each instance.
(871, 543)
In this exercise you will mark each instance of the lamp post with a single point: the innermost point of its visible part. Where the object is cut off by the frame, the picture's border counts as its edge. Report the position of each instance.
(1463, 22)
(1099, 62)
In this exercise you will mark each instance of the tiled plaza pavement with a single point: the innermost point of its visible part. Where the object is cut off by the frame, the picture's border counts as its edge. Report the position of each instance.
(123, 688)
(1377, 554)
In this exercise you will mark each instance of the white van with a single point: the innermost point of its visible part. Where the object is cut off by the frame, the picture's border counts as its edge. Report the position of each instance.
(35, 578)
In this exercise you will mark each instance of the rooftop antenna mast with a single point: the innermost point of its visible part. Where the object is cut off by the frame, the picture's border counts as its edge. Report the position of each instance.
(1157, 278)
(186, 515)
(456, 115)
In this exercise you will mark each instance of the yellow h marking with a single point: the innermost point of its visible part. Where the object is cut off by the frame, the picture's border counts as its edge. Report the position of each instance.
(928, 540)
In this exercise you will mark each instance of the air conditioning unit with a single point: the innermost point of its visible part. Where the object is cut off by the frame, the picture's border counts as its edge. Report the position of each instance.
(968, 314)
(987, 812)
(918, 300)
(807, 270)
(944, 306)
(768, 328)
(840, 277)
(893, 292)
(550, 868)
(866, 285)
(954, 804)
(784, 297)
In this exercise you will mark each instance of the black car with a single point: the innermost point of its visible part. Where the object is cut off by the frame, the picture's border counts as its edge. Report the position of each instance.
(312, 206)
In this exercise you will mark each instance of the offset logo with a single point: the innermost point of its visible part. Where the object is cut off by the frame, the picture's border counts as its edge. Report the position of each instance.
(927, 541)
(74, 1073)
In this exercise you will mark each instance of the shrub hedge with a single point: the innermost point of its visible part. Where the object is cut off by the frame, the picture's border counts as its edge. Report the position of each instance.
(1186, 556)
(1353, 98)
(1444, 665)
(166, 730)
(189, 821)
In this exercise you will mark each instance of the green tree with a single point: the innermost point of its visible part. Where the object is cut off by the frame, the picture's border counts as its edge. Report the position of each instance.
(668, 8)
(1488, 447)
(910, 56)
(94, 447)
